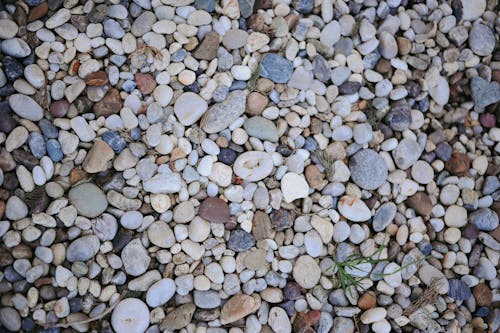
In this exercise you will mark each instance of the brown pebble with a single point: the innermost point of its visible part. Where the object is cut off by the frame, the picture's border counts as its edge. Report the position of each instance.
(470, 231)
(483, 294)
(367, 301)
(261, 225)
(59, 109)
(145, 82)
(110, 104)
(256, 103)
(404, 45)
(383, 66)
(315, 178)
(421, 203)
(76, 175)
(208, 47)
(214, 210)
(97, 158)
(496, 233)
(99, 78)
(458, 164)
(38, 12)
(256, 22)
(2, 209)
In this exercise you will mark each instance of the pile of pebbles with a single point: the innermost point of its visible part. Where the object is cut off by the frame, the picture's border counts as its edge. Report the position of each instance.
(200, 165)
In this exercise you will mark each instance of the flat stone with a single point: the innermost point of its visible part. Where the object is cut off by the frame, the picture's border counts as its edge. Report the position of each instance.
(384, 216)
(207, 50)
(130, 315)
(240, 240)
(472, 10)
(209, 299)
(428, 274)
(163, 183)
(236, 308)
(484, 219)
(88, 199)
(25, 107)
(214, 210)
(276, 68)
(135, 258)
(459, 290)
(294, 187)
(189, 107)
(221, 115)
(83, 248)
(306, 272)
(368, 169)
(484, 93)
(160, 292)
(353, 209)
(179, 317)
(98, 157)
(9, 29)
(261, 128)
(481, 39)
(160, 234)
(143, 24)
(235, 39)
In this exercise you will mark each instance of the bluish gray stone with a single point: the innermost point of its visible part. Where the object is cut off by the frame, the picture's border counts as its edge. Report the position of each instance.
(459, 290)
(304, 6)
(54, 150)
(261, 128)
(384, 216)
(240, 240)
(209, 299)
(276, 68)
(206, 5)
(115, 141)
(368, 169)
(484, 219)
(246, 7)
(321, 69)
(484, 93)
(48, 129)
(36, 142)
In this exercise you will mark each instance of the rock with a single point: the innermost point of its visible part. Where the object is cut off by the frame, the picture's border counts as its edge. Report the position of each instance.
(459, 164)
(367, 301)
(9, 29)
(294, 187)
(261, 226)
(330, 34)
(189, 107)
(130, 315)
(368, 169)
(83, 248)
(353, 209)
(234, 39)
(160, 292)
(253, 166)
(484, 93)
(484, 219)
(207, 50)
(135, 258)
(160, 234)
(428, 274)
(440, 93)
(98, 78)
(145, 83)
(214, 210)
(282, 219)
(388, 46)
(236, 308)
(459, 290)
(373, 315)
(406, 153)
(481, 40)
(110, 104)
(342, 325)
(163, 183)
(240, 240)
(16, 48)
(421, 203)
(25, 107)
(276, 68)
(306, 272)
(261, 128)
(482, 294)
(473, 9)
(88, 199)
(221, 115)
(209, 299)
(179, 317)
(98, 157)
(10, 318)
(384, 216)
(143, 24)
(278, 320)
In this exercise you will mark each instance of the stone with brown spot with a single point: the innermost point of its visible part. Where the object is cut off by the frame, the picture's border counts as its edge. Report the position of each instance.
(214, 210)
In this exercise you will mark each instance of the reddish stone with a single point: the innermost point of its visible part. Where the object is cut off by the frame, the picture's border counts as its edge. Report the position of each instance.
(487, 120)
(73, 67)
(367, 301)
(145, 82)
(38, 12)
(458, 164)
(421, 203)
(59, 109)
(99, 78)
(2, 209)
(483, 294)
(496, 233)
(314, 177)
(305, 320)
(214, 210)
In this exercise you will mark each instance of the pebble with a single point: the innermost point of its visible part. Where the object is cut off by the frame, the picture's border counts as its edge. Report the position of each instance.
(276, 68)
(253, 165)
(368, 169)
(88, 200)
(221, 115)
(25, 107)
(306, 272)
(484, 93)
(189, 107)
(160, 292)
(484, 219)
(481, 39)
(130, 315)
(83, 248)
(294, 187)
(135, 258)
(353, 209)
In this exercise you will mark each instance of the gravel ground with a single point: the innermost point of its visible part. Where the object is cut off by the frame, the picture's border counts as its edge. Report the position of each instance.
(206, 166)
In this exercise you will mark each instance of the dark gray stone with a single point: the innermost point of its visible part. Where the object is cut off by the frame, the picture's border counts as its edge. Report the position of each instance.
(368, 169)
(240, 240)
